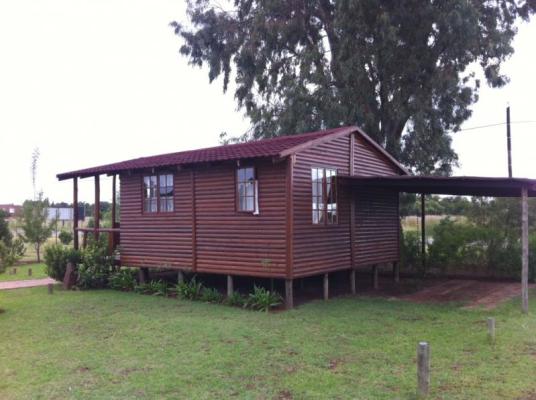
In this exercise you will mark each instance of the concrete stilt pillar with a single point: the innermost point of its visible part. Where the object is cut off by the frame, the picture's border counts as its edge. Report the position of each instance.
(396, 272)
(326, 286)
(230, 288)
(375, 282)
(352, 281)
(144, 275)
(289, 295)
(180, 277)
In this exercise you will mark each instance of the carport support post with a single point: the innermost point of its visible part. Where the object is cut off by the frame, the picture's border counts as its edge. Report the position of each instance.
(75, 213)
(230, 289)
(352, 281)
(289, 296)
(326, 286)
(524, 250)
(96, 211)
(423, 233)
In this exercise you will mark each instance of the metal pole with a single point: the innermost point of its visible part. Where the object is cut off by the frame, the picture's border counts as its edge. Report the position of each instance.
(509, 141)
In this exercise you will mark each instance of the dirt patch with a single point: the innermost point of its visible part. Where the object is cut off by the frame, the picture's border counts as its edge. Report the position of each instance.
(285, 395)
(472, 293)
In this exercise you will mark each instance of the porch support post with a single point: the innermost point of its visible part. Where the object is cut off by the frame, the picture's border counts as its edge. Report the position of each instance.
(396, 271)
(289, 295)
(423, 232)
(230, 288)
(75, 213)
(113, 200)
(524, 250)
(96, 212)
(326, 286)
(352, 281)
(375, 283)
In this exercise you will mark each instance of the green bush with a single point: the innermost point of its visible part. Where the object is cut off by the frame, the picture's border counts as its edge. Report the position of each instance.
(56, 259)
(210, 295)
(410, 250)
(262, 299)
(95, 267)
(65, 237)
(189, 290)
(235, 300)
(124, 279)
(155, 288)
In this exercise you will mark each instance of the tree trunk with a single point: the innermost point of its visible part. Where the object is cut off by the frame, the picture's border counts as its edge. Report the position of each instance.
(37, 250)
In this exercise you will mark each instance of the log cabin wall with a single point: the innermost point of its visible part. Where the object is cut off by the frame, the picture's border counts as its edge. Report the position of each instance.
(155, 240)
(223, 241)
(377, 227)
(236, 242)
(320, 248)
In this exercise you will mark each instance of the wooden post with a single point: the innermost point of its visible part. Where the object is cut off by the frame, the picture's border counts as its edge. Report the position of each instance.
(14, 270)
(114, 205)
(396, 271)
(375, 282)
(423, 369)
(180, 277)
(50, 288)
(423, 233)
(75, 213)
(96, 212)
(29, 272)
(524, 250)
(326, 286)
(289, 296)
(230, 289)
(352, 281)
(491, 330)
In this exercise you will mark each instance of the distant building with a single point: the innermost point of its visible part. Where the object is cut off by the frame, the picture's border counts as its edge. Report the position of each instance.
(12, 210)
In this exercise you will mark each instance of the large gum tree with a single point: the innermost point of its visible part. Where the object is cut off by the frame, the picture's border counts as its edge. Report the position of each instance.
(403, 70)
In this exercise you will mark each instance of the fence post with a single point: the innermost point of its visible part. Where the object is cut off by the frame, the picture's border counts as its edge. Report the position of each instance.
(491, 330)
(29, 272)
(423, 369)
(50, 288)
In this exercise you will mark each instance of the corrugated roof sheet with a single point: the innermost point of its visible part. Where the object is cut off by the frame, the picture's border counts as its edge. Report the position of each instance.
(253, 149)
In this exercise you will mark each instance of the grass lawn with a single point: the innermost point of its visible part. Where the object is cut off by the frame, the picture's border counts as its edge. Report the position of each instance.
(113, 345)
(38, 272)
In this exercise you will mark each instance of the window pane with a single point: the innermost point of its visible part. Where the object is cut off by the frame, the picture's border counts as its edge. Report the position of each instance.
(250, 203)
(249, 174)
(250, 189)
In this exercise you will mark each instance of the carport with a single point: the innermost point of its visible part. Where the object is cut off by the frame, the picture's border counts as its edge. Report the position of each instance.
(460, 186)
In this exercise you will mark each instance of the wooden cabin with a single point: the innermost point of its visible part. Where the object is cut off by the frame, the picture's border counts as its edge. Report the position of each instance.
(271, 208)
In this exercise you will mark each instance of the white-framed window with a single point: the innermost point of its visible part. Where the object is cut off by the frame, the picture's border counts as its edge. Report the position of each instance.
(158, 193)
(324, 196)
(247, 190)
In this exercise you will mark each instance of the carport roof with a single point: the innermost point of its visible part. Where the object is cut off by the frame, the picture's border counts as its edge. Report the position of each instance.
(449, 185)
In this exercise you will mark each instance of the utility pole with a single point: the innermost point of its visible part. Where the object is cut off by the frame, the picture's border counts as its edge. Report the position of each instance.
(509, 141)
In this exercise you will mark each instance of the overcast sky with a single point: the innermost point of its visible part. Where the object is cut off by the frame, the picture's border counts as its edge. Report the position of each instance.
(91, 82)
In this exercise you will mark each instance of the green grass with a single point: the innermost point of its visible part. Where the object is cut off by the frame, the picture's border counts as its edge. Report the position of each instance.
(38, 272)
(113, 345)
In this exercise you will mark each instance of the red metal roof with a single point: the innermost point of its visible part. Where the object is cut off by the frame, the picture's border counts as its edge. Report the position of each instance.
(253, 149)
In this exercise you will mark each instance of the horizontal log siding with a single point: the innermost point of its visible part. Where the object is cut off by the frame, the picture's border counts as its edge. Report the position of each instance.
(370, 162)
(240, 243)
(377, 227)
(319, 248)
(156, 240)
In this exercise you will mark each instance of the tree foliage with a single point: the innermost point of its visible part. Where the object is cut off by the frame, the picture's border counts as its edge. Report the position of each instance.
(33, 221)
(392, 67)
(11, 250)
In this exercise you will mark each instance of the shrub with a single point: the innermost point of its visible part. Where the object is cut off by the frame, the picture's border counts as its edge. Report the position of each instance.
(210, 295)
(262, 299)
(156, 288)
(65, 237)
(410, 249)
(189, 290)
(235, 300)
(95, 267)
(10, 252)
(124, 279)
(56, 259)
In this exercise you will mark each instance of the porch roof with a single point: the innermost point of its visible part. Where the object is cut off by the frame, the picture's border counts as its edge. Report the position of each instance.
(448, 185)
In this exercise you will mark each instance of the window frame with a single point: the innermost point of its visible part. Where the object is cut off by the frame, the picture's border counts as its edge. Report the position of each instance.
(323, 219)
(158, 198)
(255, 210)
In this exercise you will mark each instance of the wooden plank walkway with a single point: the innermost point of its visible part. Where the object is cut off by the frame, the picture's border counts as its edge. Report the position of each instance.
(26, 283)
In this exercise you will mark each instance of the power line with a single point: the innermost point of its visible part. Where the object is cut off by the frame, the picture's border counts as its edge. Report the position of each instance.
(497, 124)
